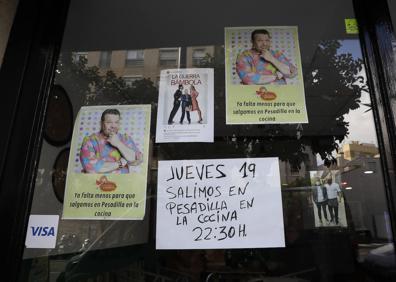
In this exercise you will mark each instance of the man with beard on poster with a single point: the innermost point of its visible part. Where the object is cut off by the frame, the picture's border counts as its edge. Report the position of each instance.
(176, 103)
(109, 151)
(262, 65)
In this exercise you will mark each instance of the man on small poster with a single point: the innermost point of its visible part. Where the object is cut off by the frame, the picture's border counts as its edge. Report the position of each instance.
(334, 197)
(186, 106)
(109, 151)
(261, 64)
(326, 199)
(176, 103)
(319, 196)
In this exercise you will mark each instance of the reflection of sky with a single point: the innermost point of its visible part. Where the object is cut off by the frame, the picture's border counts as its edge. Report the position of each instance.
(361, 123)
(351, 46)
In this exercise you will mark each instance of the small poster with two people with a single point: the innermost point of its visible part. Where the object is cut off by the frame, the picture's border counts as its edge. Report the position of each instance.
(185, 106)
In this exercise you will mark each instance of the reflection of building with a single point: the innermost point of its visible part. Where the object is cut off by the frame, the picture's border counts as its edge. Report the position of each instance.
(360, 176)
(363, 186)
(133, 65)
(358, 171)
(293, 176)
(355, 149)
(195, 55)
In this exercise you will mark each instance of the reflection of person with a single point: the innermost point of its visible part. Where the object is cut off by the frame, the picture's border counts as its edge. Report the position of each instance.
(195, 107)
(261, 65)
(176, 103)
(319, 196)
(185, 104)
(109, 151)
(333, 193)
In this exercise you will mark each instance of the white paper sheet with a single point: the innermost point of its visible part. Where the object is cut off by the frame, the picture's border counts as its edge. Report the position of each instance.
(219, 203)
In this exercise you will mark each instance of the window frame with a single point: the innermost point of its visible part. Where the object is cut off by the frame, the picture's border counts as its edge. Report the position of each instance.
(134, 62)
(105, 59)
(28, 71)
(166, 62)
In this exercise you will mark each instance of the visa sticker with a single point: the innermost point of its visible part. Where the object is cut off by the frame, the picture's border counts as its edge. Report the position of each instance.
(42, 231)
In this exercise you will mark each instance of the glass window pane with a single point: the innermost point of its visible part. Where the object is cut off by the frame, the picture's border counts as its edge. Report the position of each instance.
(134, 58)
(336, 220)
(168, 57)
(105, 59)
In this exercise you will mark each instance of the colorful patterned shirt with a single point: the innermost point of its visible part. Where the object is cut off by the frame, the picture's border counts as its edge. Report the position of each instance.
(250, 66)
(95, 151)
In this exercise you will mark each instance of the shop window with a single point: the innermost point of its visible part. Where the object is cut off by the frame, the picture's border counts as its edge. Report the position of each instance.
(80, 56)
(197, 56)
(105, 59)
(168, 57)
(294, 170)
(134, 58)
(117, 240)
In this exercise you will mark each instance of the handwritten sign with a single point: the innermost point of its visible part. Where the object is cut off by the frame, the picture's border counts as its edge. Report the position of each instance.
(219, 203)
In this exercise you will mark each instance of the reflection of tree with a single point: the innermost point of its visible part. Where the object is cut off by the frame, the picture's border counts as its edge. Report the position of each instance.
(94, 88)
(333, 87)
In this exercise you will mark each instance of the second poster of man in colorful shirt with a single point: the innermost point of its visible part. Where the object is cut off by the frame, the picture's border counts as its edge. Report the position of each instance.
(107, 170)
(264, 82)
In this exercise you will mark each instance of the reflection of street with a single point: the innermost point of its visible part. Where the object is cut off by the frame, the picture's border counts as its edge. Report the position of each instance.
(378, 260)
(326, 223)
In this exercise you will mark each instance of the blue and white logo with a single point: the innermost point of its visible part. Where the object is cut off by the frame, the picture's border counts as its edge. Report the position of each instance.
(42, 231)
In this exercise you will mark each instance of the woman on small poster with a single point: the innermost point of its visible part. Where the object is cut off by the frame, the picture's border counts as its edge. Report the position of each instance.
(195, 107)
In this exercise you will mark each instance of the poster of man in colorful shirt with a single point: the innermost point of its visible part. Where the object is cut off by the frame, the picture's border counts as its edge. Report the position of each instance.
(264, 81)
(107, 169)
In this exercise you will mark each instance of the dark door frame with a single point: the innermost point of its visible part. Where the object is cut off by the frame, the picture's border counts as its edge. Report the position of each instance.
(25, 78)
(376, 36)
(28, 71)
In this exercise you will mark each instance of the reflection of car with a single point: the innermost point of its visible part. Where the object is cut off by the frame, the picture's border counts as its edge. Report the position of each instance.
(380, 263)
